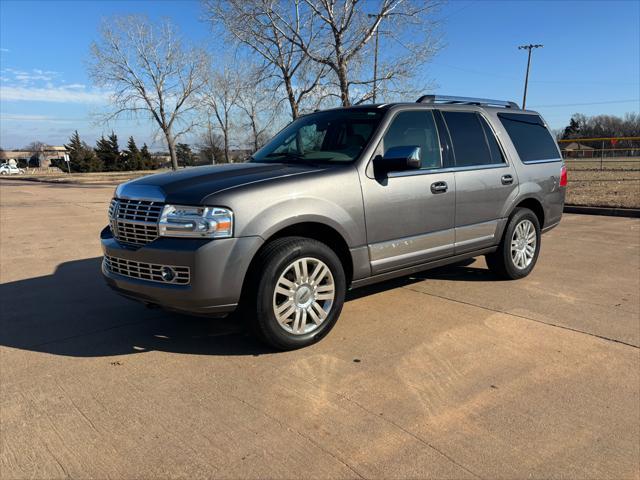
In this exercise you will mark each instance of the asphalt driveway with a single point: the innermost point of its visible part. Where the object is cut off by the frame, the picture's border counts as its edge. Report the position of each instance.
(447, 374)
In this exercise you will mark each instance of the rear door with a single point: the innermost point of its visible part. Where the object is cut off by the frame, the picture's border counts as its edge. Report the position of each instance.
(541, 158)
(410, 214)
(484, 180)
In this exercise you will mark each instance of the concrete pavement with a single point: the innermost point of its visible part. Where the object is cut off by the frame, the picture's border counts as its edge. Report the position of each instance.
(448, 374)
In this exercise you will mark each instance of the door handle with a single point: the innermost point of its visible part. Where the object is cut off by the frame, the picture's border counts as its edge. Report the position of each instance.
(507, 179)
(439, 187)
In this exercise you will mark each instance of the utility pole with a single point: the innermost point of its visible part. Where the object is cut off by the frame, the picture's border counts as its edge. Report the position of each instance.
(526, 78)
(375, 60)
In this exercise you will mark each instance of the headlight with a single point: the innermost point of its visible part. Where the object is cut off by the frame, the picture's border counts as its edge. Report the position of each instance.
(198, 222)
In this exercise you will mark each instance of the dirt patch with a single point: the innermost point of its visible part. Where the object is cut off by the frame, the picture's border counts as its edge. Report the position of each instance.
(606, 188)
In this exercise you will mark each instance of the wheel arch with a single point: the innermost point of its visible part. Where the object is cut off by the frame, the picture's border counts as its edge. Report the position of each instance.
(313, 230)
(533, 204)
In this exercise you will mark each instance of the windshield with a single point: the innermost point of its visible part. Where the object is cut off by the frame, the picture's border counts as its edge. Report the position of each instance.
(336, 136)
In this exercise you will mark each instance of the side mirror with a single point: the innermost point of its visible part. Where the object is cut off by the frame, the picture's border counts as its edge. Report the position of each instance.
(397, 159)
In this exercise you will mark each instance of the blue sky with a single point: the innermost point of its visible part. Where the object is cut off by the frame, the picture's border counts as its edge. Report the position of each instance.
(590, 62)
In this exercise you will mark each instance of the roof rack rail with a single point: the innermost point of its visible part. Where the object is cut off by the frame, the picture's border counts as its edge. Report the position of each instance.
(447, 99)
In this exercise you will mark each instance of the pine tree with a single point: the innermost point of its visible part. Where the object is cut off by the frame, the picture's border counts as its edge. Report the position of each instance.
(82, 158)
(573, 129)
(132, 157)
(184, 155)
(108, 152)
(146, 159)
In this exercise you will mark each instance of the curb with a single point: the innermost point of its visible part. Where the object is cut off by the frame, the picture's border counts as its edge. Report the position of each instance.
(608, 211)
(39, 180)
(61, 181)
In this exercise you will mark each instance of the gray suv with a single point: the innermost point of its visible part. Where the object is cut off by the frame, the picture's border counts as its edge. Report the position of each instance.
(338, 199)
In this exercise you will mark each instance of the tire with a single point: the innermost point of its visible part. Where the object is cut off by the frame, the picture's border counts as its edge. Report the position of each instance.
(523, 231)
(304, 309)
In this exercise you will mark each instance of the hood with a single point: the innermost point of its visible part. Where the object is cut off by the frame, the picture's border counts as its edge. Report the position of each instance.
(190, 186)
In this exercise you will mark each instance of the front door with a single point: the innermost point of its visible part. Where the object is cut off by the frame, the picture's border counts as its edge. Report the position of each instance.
(410, 214)
(484, 181)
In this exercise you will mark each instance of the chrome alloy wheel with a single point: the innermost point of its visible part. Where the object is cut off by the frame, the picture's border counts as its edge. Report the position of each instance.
(523, 244)
(303, 295)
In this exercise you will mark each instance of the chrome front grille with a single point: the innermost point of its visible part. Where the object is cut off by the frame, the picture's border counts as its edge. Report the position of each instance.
(134, 221)
(147, 271)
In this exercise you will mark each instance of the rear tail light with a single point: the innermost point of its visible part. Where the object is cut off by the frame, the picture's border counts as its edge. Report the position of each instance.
(563, 176)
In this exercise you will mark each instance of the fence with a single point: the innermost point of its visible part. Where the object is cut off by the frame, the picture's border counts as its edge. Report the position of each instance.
(603, 171)
(606, 153)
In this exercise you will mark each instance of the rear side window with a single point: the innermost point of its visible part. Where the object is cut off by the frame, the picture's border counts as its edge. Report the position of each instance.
(530, 137)
(496, 153)
(473, 140)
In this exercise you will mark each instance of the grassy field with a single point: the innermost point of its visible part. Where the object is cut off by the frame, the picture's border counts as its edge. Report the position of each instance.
(616, 185)
(82, 178)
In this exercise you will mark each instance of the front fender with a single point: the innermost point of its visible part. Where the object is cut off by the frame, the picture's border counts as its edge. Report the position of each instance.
(278, 216)
(331, 197)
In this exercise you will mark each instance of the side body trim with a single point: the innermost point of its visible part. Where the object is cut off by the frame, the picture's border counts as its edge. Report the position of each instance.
(420, 267)
(410, 248)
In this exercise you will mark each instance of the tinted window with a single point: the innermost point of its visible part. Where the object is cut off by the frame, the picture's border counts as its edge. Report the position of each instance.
(415, 128)
(496, 153)
(470, 146)
(447, 150)
(331, 136)
(530, 137)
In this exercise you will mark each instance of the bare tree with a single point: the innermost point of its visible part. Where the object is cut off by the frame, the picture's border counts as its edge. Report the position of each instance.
(210, 147)
(347, 28)
(36, 149)
(221, 99)
(259, 108)
(260, 25)
(149, 71)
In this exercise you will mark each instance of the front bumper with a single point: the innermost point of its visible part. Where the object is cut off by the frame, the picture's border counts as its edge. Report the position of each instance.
(217, 271)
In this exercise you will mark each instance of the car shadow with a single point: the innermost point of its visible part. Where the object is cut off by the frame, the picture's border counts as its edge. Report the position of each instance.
(72, 312)
(459, 271)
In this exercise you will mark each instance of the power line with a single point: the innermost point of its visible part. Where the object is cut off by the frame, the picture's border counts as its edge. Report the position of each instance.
(456, 12)
(589, 103)
(511, 77)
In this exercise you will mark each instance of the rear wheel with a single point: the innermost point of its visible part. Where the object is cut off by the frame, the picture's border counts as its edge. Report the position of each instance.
(518, 251)
(298, 292)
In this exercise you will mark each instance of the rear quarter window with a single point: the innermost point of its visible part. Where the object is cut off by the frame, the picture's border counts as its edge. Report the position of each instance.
(531, 138)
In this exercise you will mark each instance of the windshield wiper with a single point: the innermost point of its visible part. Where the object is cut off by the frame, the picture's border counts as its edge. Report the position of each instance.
(295, 155)
(293, 158)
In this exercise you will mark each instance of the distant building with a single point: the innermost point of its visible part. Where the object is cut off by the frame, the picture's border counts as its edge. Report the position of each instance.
(162, 158)
(41, 159)
(575, 149)
(240, 155)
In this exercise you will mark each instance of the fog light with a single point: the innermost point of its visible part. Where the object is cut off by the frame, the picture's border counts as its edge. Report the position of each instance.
(168, 274)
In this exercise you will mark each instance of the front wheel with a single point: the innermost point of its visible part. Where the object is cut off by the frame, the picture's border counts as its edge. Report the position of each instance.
(298, 292)
(518, 251)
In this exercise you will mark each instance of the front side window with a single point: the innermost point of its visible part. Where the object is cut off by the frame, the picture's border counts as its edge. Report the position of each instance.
(335, 136)
(530, 137)
(471, 138)
(415, 129)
